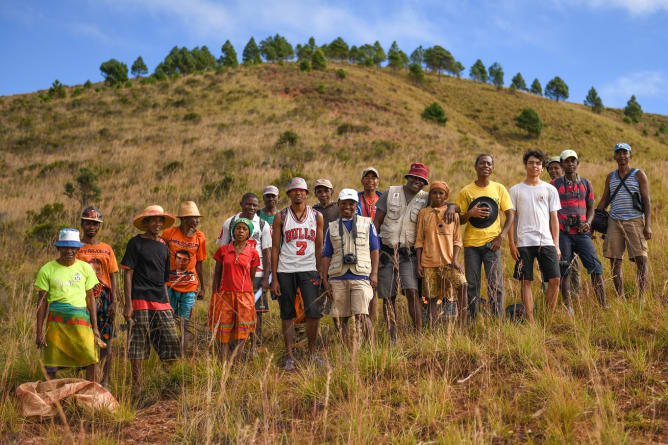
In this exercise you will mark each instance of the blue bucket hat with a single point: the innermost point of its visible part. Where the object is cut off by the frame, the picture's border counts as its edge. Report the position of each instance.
(623, 146)
(68, 238)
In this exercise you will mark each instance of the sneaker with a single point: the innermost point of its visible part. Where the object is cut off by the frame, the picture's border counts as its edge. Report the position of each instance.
(289, 365)
(570, 310)
(450, 310)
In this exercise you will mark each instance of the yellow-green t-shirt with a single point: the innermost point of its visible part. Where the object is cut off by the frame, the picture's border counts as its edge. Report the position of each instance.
(474, 237)
(66, 284)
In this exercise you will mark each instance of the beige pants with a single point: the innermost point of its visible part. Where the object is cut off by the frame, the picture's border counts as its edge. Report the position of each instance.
(350, 297)
(625, 235)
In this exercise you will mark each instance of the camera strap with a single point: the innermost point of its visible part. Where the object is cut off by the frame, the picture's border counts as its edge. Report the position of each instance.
(354, 232)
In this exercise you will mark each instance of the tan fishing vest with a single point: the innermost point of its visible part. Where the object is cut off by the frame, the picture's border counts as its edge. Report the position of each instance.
(399, 227)
(363, 266)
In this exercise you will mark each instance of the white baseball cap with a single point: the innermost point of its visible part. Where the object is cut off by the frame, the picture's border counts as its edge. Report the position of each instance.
(348, 194)
(568, 154)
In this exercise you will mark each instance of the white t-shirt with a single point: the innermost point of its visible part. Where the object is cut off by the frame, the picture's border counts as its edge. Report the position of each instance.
(533, 204)
(262, 238)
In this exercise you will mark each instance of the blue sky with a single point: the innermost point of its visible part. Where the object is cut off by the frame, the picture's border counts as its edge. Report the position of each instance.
(613, 45)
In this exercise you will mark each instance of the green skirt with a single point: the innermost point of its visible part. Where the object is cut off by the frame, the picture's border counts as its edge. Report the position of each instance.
(70, 342)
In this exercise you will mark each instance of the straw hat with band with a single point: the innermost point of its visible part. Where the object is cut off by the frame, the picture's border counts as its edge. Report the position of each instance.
(153, 210)
(247, 222)
(91, 213)
(188, 208)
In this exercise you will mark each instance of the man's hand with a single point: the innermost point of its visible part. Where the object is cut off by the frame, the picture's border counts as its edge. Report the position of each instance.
(96, 333)
(496, 243)
(265, 283)
(514, 252)
(478, 212)
(127, 313)
(373, 280)
(558, 252)
(327, 286)
(585, 227)
(200, 293)
(276, 288)
(40, 340)
(458, 267)
(420, 270)
(111, 311)
(450, 214)
(647, 232)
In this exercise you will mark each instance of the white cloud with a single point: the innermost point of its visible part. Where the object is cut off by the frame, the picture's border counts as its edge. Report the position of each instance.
(640, 84)
(636, 7)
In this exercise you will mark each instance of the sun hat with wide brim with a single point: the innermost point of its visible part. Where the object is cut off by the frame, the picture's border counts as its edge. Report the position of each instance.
(153, 210)
(188, 208)
(491, 205)
(68, 238)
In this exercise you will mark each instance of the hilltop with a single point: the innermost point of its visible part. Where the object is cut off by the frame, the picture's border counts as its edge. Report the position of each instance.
(212, 136)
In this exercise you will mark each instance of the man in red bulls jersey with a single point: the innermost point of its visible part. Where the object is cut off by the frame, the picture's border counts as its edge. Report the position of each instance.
(295, 262)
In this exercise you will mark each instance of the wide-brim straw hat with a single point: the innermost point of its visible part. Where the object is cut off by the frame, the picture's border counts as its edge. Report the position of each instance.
(153, 210)
(188, 208)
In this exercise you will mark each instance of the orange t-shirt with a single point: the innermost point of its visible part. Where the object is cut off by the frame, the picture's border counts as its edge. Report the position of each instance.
(184, 279)
(101, 258)
(436, 238)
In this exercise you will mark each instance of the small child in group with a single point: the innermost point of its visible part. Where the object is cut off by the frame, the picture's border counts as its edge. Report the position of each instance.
(232, 314)
(437, 247)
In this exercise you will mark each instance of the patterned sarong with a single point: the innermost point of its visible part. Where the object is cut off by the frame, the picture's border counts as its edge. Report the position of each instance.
(232, 315)
(105, 324)
(70, 342)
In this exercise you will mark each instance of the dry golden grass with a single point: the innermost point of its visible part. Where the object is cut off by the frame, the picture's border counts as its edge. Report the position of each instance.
(600, 378)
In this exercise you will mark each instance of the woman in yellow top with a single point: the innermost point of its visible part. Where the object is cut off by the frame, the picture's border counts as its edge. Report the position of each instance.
(65, 289)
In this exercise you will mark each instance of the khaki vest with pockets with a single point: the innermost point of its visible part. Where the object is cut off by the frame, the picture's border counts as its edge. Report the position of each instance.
(399, 228)
(363, 266)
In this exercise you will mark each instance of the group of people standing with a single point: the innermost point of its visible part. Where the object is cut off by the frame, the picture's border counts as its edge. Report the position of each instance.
(339, 258)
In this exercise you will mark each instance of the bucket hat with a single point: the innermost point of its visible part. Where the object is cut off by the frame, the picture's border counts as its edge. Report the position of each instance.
(297, 183)
(92, 213)
(188, 208)
(419, 170)
(153, 210)
(68, 238)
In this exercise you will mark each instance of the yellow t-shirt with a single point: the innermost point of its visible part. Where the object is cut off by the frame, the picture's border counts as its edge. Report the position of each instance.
(474, 237)
(66, 284)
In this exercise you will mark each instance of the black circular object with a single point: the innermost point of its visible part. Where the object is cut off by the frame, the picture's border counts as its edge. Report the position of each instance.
(485, 201)
(515, 312)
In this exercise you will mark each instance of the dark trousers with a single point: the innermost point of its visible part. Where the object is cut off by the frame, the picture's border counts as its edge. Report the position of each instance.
(474, 259)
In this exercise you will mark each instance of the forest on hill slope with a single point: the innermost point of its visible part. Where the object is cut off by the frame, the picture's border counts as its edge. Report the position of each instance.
(213, 136)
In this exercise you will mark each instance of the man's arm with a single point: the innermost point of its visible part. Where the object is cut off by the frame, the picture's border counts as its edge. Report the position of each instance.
(605, 197)
(554, 229)
(325, 273)
(511, 237)
(378, 219)
(218, 272)
(277, 231)
(266, 262)
(42, 307)
(418, 259)
(508, 223)
(455, 259)
(113, 295)
(373, 277)
(318, 242)
(200, 277)
(127, 281)
(647, 205)
(92, 311)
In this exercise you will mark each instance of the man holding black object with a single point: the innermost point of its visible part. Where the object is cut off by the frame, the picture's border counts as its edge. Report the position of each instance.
(479, 204)
(577, 212)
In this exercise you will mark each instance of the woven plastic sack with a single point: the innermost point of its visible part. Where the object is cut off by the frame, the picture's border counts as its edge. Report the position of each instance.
(39, 398)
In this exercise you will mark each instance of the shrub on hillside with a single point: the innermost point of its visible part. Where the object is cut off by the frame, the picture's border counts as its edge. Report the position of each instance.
(318, 60)
(415, 73)
(305, 65)
(341, 74)
(218, 189)
(192, 117)
(57, 90)
(44, 225)
(88, 84)
(288, 138)
(434, 112)
(529, 120)
(172, 167)
(85, 189)
(662, 128)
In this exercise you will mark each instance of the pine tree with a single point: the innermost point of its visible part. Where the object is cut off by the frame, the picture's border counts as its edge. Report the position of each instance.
(518, 82)
(438, 59)
(139, 68)
(536, 88)
(229, 55)
(276, 49)
(594, 101)
(457, 69)
(396, 57)
(556, 89)
(379, 54)
(114, 71)
(496, 74)
(529, 120)
(478, 71)
(251, 54)
(415, 73)
(633, 110)
(417, 56)
(337, 50)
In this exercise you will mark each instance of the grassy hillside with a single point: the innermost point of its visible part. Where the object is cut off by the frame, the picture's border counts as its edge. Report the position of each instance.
(210, 137)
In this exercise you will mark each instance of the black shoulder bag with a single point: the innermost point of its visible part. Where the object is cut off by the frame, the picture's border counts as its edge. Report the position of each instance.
(600, 222)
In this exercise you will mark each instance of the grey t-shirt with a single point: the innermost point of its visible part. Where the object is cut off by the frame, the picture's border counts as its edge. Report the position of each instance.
(329, 213)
